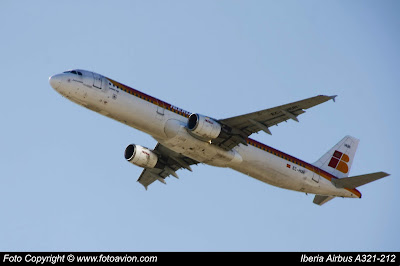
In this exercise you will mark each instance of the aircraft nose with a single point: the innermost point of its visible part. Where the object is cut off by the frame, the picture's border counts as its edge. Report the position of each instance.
(55, 81)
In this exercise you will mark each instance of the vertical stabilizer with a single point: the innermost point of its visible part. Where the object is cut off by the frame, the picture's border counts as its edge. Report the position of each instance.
(338, 160)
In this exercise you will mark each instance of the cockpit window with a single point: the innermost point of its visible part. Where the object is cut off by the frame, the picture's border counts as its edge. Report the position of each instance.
(74, 72)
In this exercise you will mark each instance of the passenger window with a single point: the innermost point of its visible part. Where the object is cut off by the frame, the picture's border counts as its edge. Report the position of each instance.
(74, 72)
(79, 73)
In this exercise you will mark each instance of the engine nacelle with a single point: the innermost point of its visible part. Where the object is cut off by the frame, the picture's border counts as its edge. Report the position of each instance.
(141, 156)
(204, 126)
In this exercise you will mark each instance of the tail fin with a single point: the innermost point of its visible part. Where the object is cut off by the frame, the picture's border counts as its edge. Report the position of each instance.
(338, 160)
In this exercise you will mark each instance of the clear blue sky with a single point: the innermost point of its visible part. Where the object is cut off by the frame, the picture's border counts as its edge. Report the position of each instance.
(64, 183)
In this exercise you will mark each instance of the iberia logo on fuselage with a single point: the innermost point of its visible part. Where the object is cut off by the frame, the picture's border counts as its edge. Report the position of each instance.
(339, 161)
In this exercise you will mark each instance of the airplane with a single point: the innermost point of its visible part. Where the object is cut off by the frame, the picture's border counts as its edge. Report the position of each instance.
(186, 139)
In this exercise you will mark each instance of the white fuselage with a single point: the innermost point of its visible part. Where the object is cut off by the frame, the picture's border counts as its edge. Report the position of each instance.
(167, 124)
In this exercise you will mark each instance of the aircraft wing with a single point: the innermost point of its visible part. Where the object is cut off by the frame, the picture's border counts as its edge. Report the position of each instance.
(171, 162)
(236, 129)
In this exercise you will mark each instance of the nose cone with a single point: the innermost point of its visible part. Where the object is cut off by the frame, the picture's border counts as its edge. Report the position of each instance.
(55, 81)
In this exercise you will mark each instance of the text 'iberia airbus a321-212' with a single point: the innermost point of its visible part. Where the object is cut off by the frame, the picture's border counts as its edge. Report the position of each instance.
(186, 138)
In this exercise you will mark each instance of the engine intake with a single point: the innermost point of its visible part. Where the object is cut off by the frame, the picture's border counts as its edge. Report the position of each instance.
(203, 126)
(141, 156)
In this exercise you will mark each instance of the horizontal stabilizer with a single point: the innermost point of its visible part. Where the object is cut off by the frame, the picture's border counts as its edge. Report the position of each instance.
(319, 199)
(356, 181)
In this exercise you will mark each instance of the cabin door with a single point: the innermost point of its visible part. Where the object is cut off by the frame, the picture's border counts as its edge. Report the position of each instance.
(316, 175)
(97, 81)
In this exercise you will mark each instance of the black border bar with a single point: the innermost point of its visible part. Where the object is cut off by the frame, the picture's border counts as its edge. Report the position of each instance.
(173, 258)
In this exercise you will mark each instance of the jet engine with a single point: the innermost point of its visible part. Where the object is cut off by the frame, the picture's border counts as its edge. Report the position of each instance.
(203, 126)
(141, 156)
